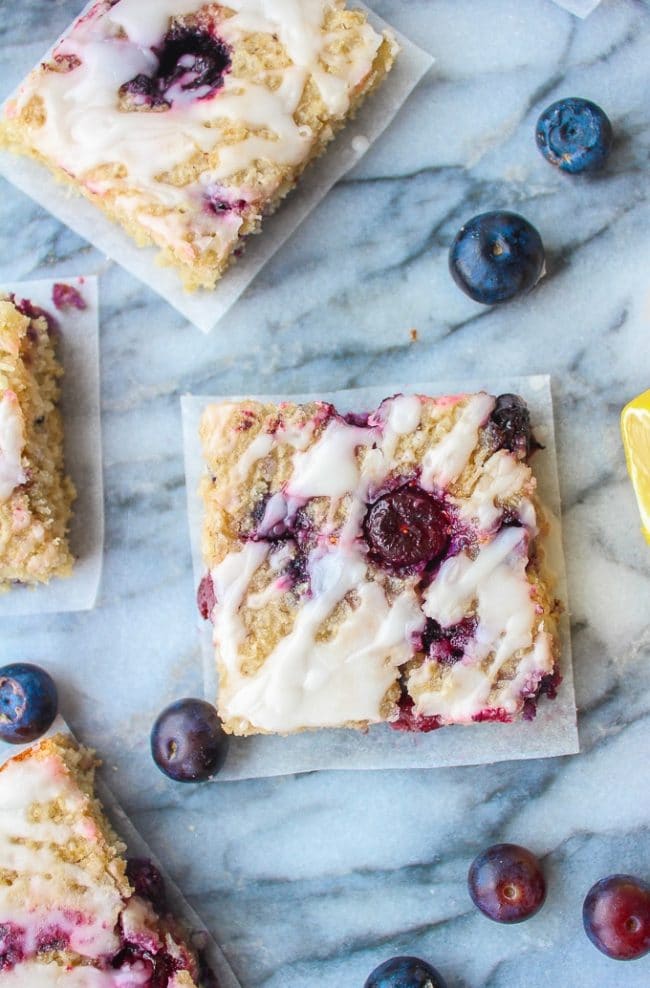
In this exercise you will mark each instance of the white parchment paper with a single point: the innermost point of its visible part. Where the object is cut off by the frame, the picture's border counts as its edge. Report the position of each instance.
(79, 354)
(579, 7)
(137, 847)
(206, 308)
(554, 730)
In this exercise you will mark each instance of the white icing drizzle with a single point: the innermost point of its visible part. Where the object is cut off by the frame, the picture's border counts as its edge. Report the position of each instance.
(446, 461)
(495, 581)
(57, 889)
(85, 127)
(257, 450)
(329, 468)
(306, 681)
(12, 443)
(502, 477)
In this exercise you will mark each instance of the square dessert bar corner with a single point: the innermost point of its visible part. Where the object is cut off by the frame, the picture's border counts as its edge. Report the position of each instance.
(73, 910)
(375, 568)
(35, 495)
(187, 122)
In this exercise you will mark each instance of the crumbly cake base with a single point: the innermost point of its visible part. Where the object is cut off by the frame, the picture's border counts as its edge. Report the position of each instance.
(248, 465)
(258, 60)
(34, 520)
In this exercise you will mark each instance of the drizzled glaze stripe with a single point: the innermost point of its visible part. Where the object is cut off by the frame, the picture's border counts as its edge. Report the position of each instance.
(308, 682)
(12, 443)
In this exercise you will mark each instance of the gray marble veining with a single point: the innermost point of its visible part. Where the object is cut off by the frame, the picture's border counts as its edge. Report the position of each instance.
(310, 881)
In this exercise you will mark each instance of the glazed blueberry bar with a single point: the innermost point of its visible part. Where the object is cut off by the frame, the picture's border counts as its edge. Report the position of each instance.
(35, 494)
(187, 122)
(73, 911)
(375, 568)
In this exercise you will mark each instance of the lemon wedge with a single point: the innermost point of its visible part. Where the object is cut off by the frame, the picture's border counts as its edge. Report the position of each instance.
(635, 427)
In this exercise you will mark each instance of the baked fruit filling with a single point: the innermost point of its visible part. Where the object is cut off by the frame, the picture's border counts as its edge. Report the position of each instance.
(378, 568)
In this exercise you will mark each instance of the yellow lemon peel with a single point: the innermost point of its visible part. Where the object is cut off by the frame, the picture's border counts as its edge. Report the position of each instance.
(635, 429)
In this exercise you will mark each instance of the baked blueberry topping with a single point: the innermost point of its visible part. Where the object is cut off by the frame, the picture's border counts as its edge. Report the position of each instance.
(28, 702)
(32, 311)
(406, 527)
(575, 135)
(147, 882)
(616, 917)
(511, 425)
(188, 743)
(67, 297)
(405, 972)
(219, 205)
(549, 684)
(447, 645)
(358, 419)
(12, 945)
(506, 883)
(206, 597)
(495, 715)
(412, 722)
(52, 938)
(160, 967)
(496, 256)
(189, 60)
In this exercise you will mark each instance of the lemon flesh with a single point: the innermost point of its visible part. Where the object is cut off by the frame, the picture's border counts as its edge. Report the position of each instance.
(635, 428)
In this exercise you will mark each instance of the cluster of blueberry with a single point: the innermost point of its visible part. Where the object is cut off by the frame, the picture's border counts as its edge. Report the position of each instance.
(507, 884)
(506, 881)
(498, 255)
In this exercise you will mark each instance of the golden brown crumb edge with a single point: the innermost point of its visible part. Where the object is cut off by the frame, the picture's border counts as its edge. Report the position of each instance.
(35, 518)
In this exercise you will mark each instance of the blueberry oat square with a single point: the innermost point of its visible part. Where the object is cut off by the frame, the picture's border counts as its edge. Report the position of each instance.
(73, 910)
(35, 495)
(188, 122)
(375, 568)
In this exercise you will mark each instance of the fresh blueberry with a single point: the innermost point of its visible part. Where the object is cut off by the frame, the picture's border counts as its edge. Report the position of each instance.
(28, 702)
(406, 527)
(506, 883)
(575, 135)
(405, 972)
(616, 917)
(147, 882)
(496, 256)
(510, 420)
(188, 742)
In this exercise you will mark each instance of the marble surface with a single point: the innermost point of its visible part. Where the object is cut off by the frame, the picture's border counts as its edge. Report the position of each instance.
(310, 881)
